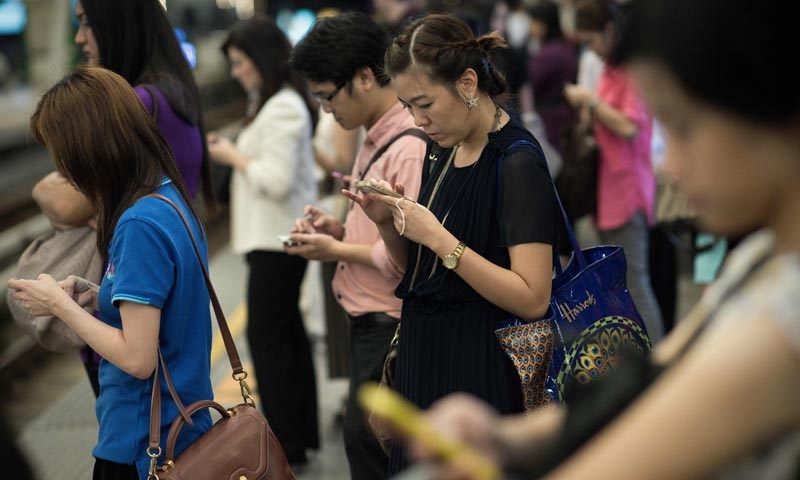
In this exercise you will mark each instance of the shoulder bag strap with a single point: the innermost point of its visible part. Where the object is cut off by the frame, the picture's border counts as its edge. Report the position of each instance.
(154, 449)
(414, 132)
(230, 346)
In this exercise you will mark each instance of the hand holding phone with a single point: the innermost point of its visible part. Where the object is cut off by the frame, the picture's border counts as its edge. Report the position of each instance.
(409, 421)
(367, 186)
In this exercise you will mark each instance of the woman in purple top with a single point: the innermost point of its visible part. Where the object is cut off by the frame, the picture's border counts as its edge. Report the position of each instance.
(134, 39)
(553, 66)
(107, 32)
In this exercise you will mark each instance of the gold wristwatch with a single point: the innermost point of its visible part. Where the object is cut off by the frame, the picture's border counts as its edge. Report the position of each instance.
(450, 261)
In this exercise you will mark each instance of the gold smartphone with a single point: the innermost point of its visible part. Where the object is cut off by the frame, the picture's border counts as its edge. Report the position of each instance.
(409, 421)
(367, 186)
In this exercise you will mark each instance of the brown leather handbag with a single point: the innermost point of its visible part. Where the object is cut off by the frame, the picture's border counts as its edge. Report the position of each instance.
(239, 446)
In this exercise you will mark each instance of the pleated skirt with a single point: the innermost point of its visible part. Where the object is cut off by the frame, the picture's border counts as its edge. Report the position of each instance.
(452, 350)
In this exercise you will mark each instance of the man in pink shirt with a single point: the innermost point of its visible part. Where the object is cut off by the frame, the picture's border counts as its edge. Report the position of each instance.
(342, 58)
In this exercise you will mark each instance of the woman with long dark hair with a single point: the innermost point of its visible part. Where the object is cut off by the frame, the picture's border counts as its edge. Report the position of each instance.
(272, 180)
(134, 39)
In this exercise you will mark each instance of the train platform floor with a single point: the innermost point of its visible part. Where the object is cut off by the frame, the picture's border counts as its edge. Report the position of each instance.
(62, 429)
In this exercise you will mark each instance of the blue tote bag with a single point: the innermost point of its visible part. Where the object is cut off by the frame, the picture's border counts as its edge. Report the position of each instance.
(593, 316)
(591, 321)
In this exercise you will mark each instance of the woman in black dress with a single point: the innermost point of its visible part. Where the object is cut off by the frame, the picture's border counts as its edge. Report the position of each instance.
(477, 245)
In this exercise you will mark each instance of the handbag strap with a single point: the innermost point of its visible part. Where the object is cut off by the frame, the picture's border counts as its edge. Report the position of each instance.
(573, 240)
(155, 402)
(154, 448)
(225, 332)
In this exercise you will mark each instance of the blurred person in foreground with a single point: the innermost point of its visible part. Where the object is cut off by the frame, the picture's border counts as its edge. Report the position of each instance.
(478, 243)
(342, 58)
(273, 179)
(726, 404)
(152, 308)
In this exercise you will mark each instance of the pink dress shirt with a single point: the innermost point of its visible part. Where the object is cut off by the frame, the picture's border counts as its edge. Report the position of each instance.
(358, 288)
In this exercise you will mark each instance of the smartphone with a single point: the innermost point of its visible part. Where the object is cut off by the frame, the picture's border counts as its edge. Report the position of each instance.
(368, 186)
(408, 419)
(288, 241)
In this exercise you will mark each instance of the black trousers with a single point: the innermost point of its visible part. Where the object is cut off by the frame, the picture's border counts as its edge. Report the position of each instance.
(105, 470)
(281, 351)
(337, 325)
(370, 335)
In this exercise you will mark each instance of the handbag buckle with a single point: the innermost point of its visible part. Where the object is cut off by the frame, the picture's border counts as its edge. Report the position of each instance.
(153, 453)
(247, 394)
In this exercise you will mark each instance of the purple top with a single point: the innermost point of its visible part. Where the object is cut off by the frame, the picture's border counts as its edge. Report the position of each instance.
(183, 138)
(555, 65)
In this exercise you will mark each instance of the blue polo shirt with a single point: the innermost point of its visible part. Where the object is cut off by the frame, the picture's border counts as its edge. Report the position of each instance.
(152, 262)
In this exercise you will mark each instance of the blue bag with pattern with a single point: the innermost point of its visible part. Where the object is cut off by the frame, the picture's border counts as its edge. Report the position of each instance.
(592, 314)
(591, 320)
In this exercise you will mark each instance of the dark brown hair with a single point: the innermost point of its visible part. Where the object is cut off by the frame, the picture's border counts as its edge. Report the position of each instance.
(444, 47)
(269, 49)
(136, 41)
(104, 142)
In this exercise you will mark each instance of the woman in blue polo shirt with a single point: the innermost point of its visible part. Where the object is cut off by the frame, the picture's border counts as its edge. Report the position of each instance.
(152, 296)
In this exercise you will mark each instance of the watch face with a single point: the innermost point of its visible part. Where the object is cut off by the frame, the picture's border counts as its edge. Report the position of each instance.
(450, 262)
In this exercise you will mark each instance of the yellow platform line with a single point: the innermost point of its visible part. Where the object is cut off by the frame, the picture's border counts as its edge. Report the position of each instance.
(236, 322)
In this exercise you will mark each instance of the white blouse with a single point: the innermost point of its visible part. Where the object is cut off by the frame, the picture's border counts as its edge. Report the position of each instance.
(269, 196)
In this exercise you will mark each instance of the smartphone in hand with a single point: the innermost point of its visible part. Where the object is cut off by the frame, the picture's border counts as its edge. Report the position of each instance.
(367, 186)
(286, 240)
(407, 419)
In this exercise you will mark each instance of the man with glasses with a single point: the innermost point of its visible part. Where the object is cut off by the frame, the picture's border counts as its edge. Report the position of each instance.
(342, 59)
(327, 99)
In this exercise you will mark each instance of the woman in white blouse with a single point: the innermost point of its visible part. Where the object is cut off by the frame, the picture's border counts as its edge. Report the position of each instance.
(273, 178)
